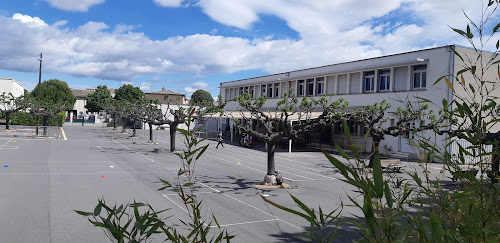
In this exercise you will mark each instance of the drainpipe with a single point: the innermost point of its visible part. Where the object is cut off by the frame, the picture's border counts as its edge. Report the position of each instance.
(451, 64)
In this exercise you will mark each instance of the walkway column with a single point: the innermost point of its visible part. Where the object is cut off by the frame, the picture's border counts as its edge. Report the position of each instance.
(231, 130)
(290, 142)
(71, 117)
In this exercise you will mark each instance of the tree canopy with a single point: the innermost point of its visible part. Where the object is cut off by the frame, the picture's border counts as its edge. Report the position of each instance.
(200, 97)
(129, 93)
(98, 100)
(55, 96)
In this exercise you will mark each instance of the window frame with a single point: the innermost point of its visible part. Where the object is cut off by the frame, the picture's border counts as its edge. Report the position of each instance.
(384, 77)
(320, 82)
(301, 87)
(421, 71)
(310, 91)
(276, 90)
(263, 90)
(369, 75)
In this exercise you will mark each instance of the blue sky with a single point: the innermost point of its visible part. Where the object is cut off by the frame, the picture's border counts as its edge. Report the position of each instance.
(189, 44)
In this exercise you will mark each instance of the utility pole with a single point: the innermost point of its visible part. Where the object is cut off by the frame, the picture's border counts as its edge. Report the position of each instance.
(39, 92)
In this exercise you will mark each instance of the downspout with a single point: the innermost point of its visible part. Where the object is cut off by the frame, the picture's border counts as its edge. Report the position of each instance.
(452, 68)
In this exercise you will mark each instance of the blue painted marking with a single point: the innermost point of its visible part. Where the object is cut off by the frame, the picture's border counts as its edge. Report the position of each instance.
(5, 166)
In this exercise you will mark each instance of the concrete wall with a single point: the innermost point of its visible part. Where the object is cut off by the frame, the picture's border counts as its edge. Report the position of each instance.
(9, 85)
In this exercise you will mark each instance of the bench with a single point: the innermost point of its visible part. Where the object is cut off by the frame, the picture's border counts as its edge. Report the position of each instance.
(391, 164)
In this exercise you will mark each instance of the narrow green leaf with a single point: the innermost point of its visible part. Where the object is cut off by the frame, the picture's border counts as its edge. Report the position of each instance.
(496, 28)
(449, 84)
(367, 134)
(97, 209)
(435, 228)
(188, 184)
(286, 209)
(377, 175)
(341, 151)
(388, 195)
(87, 214)
(335, 162)
(347, 131)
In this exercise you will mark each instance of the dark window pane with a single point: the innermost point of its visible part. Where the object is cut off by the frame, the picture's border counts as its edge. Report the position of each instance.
(416, 80)
(424, 79)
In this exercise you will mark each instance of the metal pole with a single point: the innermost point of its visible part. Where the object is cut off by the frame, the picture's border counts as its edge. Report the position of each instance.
(39, 92)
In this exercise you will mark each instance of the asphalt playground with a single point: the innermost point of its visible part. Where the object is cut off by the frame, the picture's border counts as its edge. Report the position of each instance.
(43, 180)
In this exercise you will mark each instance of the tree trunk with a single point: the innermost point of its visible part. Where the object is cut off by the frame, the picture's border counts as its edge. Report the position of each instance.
(45, 122)
(270, 159)
(495, 162)
(375, 145)
(150, 133)
(7, 119)
(173, 129)
(133, 126)
(114, 121)
(124, 130)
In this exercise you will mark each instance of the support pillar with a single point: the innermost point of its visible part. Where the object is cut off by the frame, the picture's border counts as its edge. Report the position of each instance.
(290, 146)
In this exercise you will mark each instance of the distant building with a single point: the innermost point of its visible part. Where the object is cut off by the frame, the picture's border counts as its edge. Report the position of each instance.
(79, 111)
(167, 97)
(9, 85)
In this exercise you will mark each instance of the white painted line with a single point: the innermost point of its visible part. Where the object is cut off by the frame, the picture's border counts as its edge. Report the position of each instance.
(135, 152)
(9, 147)
(251, 222)
(236, 199)
(6, 143)
(303, 171)
(243, 165)
(101, 148)
(166, 196)
(175, 194)
(261, 166)
(64, 134)
(79, 173)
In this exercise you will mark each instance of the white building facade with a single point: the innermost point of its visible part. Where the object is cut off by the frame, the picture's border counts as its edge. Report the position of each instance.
(394, 77)
(9, 85)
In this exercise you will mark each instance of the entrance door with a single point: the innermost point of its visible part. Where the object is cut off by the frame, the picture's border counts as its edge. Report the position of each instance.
(404, 146)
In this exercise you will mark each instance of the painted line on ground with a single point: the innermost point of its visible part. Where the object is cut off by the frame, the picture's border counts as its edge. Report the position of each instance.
(175, 194)
(6, 143)
(250, 222)
(244, 166)
(64, 134)
(101, 148)
(166, 196)
(288, 167)
(79, 173)
(236, 199)
(135, 152)
(263, 166)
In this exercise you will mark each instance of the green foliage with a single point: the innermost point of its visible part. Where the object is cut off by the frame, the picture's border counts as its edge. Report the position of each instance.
(27, 119)
(130, 94)
(201, 97)
(98, 100)
(55, 96)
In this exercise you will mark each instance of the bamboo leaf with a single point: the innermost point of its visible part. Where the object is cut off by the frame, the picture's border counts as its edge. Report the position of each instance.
(463, 80)
(496, 27)
(388, 195)
(87, 214)
(335, 162)
(347, 131)
(367, 134)
(449, 84)
(97, 209)
(341, 151)
(435, 227)
(286, 209)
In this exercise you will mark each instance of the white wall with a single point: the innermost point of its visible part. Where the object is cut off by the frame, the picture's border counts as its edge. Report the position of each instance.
(8, 85)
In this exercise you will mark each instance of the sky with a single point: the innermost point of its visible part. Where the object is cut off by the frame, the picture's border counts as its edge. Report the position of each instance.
(185, 45)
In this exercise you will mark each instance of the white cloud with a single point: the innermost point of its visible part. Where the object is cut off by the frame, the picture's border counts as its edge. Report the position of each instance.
(74, 5)
(145, 87)
(126, 83)
(329, 32)
(196, 86)
(30, 21)
(169, 3)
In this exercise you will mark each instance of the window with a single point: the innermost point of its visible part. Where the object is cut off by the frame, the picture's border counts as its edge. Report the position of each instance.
(310, 86)
(251, 92)
(300, 88)
(276, 90)
(385, 80)
(246, 90)
(165, 97)
(369, 79)
(241, 90)
(263, 90)
(320, 83)
(270, 90)
(419, 76)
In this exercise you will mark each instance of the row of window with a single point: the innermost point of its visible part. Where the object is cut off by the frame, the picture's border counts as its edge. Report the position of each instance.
(316, 86)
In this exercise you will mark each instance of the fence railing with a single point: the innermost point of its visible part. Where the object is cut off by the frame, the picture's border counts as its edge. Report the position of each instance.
(468, 159)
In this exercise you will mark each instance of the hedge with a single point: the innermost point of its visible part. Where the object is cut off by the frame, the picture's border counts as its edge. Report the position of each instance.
(27, 119)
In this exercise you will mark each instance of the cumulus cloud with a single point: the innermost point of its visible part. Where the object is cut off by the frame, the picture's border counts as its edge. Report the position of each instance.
(145, 87)
(329, 32)
(169, 3)
(196, 86)
(74, 5)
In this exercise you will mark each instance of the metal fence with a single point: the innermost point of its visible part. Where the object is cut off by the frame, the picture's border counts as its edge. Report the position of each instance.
(468, 159)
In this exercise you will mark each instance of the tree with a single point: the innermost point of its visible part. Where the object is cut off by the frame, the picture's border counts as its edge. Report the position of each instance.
(289, 119)
(151, 114)
(98, 100)
(55, 96)
(201, 97)
(127, 97)
(10, 104)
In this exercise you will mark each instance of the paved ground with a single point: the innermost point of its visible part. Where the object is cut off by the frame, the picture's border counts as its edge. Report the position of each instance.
(43, 180)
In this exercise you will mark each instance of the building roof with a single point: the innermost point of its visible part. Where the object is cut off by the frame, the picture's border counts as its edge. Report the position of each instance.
(164, 92)
(83, 93)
